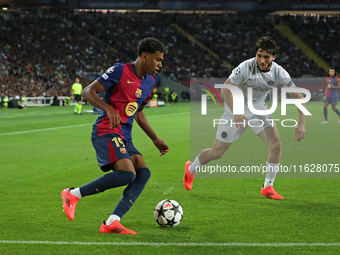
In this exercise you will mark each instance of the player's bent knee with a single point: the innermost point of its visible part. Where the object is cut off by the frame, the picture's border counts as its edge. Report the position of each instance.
(111, 180)
(143, 174)
(127, 177)
(276, 146)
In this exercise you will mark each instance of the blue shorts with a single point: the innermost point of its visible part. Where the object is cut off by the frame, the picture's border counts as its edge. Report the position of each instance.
(111, 148)
(331, 100)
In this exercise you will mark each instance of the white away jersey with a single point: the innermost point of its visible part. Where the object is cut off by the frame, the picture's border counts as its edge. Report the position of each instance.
(247, 74)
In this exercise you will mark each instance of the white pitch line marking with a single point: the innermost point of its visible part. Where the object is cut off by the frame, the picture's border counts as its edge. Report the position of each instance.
(45, 129)
(171, 244)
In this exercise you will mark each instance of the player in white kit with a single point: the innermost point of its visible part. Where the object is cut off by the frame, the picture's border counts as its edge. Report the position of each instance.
(261, 74)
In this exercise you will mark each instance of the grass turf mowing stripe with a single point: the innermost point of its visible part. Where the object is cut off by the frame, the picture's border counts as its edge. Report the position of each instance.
(172, 244)
(47, 129)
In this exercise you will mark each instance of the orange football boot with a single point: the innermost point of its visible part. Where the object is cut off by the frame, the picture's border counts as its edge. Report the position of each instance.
(270, 192)
(188, 178)
(116, 227)
(69, 203)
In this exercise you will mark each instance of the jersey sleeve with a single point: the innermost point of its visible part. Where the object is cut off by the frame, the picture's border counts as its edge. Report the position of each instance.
(151, 82)
(147, 99)
(239, 74)
(284, 79)
(111, 77)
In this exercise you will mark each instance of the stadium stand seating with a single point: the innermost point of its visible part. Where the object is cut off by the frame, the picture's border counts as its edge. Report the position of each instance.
(41, 55)
(324, 40)
(184, 59)
(234, 36)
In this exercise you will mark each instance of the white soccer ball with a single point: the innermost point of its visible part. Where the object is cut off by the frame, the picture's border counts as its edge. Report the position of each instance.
(168, 213)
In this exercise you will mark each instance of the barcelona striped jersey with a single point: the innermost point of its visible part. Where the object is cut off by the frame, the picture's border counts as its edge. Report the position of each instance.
(331, 92)
(124, 92)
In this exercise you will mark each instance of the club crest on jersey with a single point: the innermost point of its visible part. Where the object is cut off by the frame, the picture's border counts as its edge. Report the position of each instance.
(122, 150)
(131, 108)
(138, 93)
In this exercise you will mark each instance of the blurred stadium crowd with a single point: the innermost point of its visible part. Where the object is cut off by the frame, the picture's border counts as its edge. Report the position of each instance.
(41, 55)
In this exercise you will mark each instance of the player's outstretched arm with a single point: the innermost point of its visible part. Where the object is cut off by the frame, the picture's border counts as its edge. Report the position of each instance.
(145, 126)
(300, 129)
(90, 94)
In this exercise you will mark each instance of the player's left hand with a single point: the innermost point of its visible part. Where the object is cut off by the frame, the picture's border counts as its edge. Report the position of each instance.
(161, 146)
(300, 132)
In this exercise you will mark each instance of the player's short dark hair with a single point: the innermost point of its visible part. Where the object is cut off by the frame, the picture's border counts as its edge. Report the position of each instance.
(151, 45)
(268, 44)
(332, 68)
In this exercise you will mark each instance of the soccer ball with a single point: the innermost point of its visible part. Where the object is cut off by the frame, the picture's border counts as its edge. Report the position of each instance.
(168, 213)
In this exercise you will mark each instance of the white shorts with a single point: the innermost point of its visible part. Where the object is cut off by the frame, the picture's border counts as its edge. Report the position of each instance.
(227, 131)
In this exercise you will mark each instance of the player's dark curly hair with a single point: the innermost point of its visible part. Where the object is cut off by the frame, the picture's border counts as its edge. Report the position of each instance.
(151, 45)
(268, 44)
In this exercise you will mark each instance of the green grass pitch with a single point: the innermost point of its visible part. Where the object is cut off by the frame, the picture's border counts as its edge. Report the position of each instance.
(44, 150)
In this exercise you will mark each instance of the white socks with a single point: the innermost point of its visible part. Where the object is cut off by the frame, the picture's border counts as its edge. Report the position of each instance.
(272, 169)
(76, 192)
(112, 218)
(196, 163)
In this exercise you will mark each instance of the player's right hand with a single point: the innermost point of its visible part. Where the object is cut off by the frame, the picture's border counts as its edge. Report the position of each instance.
(115, 119)
(240, 121)
(300, 132)
(162, 147)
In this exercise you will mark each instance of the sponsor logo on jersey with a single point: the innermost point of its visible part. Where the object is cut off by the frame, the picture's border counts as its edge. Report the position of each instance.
(122, 150)
(131, 108)
(128, 81)
(138, 93)
(257, 88)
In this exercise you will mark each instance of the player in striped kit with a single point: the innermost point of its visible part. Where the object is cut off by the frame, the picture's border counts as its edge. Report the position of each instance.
(331, 94)
(127, 88)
